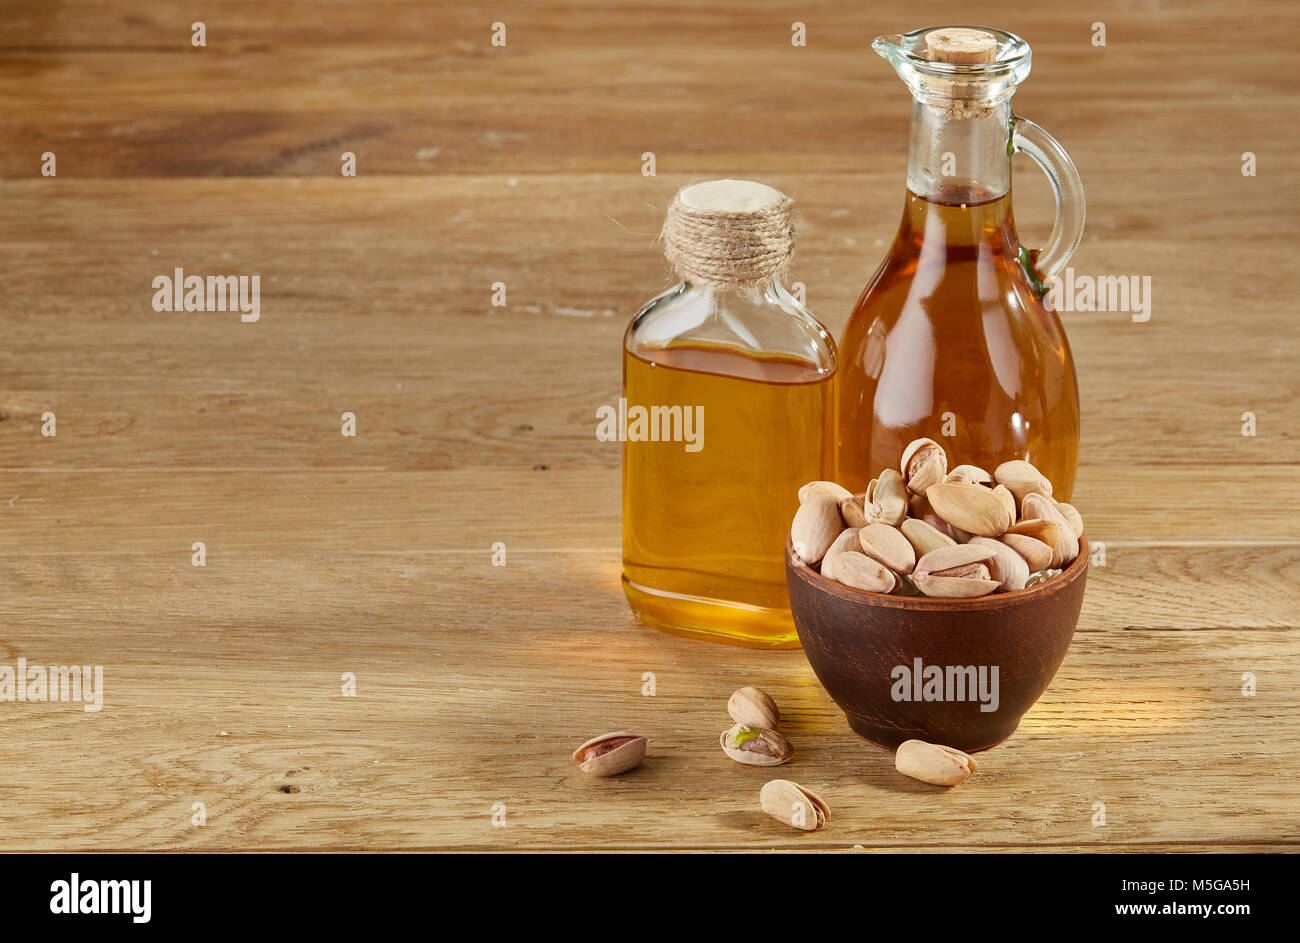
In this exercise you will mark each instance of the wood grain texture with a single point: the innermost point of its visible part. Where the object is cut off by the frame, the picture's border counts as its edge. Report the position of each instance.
(371, 555)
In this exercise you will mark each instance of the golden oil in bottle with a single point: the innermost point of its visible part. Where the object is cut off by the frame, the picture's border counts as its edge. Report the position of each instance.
(704, 531)
(974, 348)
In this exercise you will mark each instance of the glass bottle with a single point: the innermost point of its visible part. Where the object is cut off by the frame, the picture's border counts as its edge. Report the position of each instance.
(704, 526)
(951, 340)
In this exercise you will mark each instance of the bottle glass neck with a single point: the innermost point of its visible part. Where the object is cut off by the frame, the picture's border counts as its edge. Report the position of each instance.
(959, 150)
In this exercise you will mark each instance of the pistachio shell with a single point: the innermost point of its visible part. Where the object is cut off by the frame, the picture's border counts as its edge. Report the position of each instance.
(1072, 516)
(755, 746)
(861, 572)
(852, 509)
(795, 805)
(968, 474)
(838, 492)
(950, 587)
(924, 537)
(754, 707)
(887, 545)
(1006, 566)
(1037, 554)
(887, 500)
(971, 508)
(958, 571)
(1021, 479)
(946, 559)
(610, 754)
(1051, 533)
(847, 540)
(924, 463)
(1039, 506)
(1003, 494)
(816, 525)
(934, 763)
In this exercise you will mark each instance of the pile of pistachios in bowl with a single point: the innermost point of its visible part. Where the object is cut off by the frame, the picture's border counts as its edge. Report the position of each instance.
(925, 530)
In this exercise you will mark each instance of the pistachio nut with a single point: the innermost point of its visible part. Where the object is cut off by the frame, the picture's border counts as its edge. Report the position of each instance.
(755, 746)
(971, 508)
(1021, 479)
(794, 805)
(1051, 533)
(1072, 517)
(924, 537)
(969, 475)
(838, 492)
(610, 754)
(887, 499)
(887, 545)
(858, 570)
(755, 707)
(847, 540)
(1036, 553)
(816, 525)
(1006, 566)
(1039, 506)
(924, 464)
(933, 763)
(958, 571)
(853, 508)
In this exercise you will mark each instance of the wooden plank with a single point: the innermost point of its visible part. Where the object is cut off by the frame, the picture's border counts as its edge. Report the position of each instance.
(336, 341)
(258, 510)
(254, 585)
(574, 89)
(464, 679)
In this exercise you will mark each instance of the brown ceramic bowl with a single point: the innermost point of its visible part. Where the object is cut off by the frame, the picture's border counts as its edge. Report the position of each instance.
(859, 642)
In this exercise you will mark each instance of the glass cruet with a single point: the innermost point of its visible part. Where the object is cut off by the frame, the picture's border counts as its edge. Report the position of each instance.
(952, 339)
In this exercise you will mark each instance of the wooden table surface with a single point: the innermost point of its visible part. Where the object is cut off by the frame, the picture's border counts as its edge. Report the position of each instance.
(372, 554)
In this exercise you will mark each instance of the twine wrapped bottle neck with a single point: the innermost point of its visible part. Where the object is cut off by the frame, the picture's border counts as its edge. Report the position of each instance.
(729, 248)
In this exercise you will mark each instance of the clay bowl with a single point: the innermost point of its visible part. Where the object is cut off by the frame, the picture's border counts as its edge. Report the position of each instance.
(857, 643)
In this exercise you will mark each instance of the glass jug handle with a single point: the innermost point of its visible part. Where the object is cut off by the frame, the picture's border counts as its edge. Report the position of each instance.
(1067, 231)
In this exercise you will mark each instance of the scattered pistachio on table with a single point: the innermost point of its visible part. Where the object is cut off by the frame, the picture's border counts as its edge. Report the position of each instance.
(933, 763)
(795, 805)
(754, 706)
(755, 746)
(610, 754)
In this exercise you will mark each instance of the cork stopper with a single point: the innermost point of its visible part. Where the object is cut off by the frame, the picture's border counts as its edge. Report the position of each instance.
(730, 196)
(729, 234)
(961, 45)
(958, 72)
